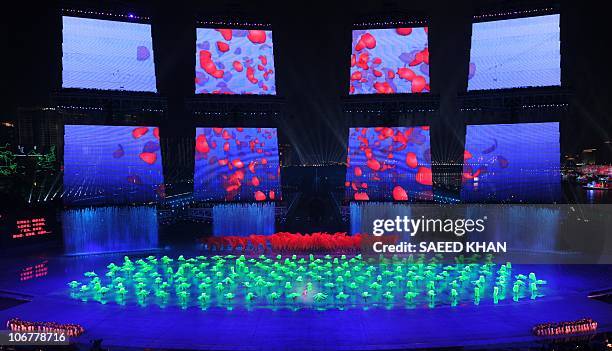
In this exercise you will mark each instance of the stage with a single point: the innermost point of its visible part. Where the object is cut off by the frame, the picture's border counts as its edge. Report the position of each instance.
(132, 326)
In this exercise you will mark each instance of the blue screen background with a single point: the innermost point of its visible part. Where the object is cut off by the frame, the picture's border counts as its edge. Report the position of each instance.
(515, 53)
(379, 74)
(389, 148)
(512, 163)
(112, 165)
(236, 164)
(247, 54)
(107, 55)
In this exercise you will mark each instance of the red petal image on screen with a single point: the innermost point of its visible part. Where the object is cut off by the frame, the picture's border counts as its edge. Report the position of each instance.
(411, 160)
(225, 33)
(139, 132)
(148, 157)
(202, 144)
(399, 55)
(399, 194)
(424, 176)
(251, 153)
(223, 47)
(260, 196)
(257, 36)
(403, 31)
(384, 158)
(362, 197)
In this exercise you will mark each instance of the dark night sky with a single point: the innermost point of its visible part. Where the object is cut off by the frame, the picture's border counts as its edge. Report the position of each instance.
(312, 46)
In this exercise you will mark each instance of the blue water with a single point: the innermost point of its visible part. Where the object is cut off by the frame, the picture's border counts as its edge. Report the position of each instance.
(109, 229)
(243, 219)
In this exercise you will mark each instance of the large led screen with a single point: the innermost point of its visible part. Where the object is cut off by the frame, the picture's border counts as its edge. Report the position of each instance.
(112, 165)
(234, 61)
(389, 164)
(107, 55)
(236, 164)
(512, 163)
(388, 61)
(515, 53)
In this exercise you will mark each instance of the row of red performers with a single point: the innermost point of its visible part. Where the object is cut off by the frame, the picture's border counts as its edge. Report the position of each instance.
(18, 325)
(287, 242)
(585, 325)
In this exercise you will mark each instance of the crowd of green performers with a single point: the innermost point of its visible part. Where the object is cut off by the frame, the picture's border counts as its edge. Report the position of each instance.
(295, 282)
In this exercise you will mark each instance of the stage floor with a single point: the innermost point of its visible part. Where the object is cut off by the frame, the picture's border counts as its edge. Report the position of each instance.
(307, 329)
